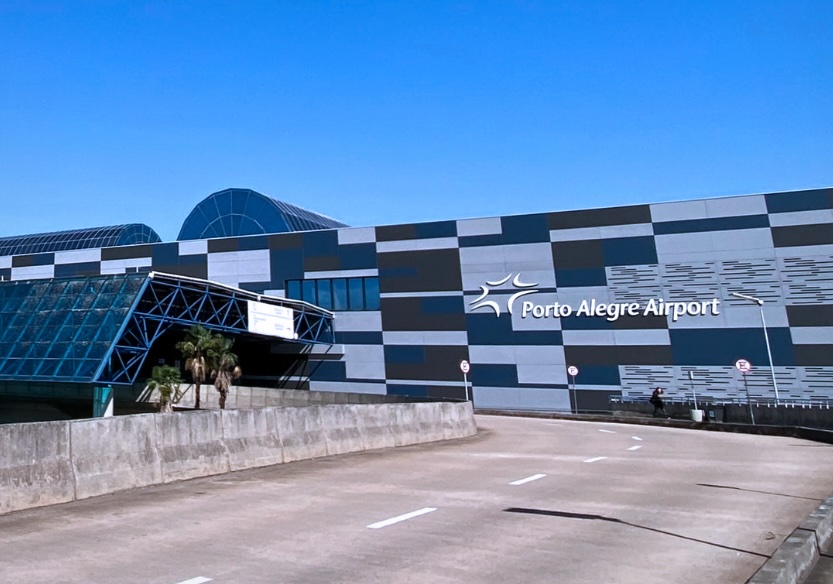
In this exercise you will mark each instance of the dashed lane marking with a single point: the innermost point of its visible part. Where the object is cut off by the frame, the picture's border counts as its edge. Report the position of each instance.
(399, 518)
(637, 447)
(637, 438)
(607, 431)
(197, 580)
(528, 479)
(597, 459)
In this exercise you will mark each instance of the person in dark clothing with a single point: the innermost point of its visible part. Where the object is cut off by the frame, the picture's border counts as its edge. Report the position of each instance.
(659, 405)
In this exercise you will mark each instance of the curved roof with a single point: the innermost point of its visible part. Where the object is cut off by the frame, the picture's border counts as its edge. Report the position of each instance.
(78, 239)
(235, 212)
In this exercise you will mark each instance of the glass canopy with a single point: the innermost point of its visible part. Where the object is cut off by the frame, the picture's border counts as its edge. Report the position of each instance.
(235, 212)
(112, 236)
(100, 328)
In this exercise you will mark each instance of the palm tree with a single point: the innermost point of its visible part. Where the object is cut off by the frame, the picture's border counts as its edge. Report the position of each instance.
(166, 379)
(224, 366)
(198, 341)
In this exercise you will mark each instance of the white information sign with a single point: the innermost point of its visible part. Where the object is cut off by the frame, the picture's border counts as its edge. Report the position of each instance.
(271, 320)
(743, 365)
(464, 366)
(572, 370)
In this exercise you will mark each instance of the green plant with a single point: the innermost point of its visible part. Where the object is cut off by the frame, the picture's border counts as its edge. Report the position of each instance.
(166, 380)
(224, 366)
(198, 341)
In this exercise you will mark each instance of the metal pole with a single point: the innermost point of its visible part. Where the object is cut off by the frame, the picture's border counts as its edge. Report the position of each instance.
(575, 403)
(769, 354)
(466, 385)
(748, 400)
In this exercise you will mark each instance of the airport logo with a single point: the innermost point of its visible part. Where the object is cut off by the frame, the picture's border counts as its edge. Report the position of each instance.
(523, 289)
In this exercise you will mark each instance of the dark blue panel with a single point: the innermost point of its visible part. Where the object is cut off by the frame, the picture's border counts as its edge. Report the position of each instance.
(585, 323)
(5, 274)
(598, 374)
(629, 251)
(256, 287)
(359, 337)
(166, 254)
(321, 243)
(716, 224)
(442, 305)
(82, 269)
(800, 201)
(285, 264)
(580, 277)
(437, 229)
(525, 229)
(487, 329)
(480, 240)
(404, 354)
(409, 390)
(494, 375)
(405, 272)
(360, 256)
(252, 243)
(725, 346)
(329, 371)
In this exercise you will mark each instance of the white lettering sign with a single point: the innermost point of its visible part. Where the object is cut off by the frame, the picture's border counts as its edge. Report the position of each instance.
(271, 320)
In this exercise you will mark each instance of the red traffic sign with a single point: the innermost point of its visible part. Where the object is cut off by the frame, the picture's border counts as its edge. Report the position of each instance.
(464, 366)
(572, 370)
(743, 365)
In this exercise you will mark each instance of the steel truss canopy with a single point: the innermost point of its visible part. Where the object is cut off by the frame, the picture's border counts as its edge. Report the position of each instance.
(99, 329)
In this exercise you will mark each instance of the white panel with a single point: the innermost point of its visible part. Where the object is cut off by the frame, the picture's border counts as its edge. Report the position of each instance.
(270, 320)
(193, 247)
(642, 337)
(416, 244)
(425, 338)
(491, 255)
(756, 239)
(348, 387)
(33, 272)
(801, 218)
(803, 251)
(513, 398)
(491, 354)
(678, 211)
(365, 361)
(736, 206)
(812, 335)
(357, 235)
(358, 321)
(539, 355)
(543, 374)
(574, 296)
(593, 338)
(486, 226)
(369, 272)
(108, 266)
(529, 256)
(78, 256)
(576, 234)
(5, 262)
(606, 232)
(138, 263)
(700, 243)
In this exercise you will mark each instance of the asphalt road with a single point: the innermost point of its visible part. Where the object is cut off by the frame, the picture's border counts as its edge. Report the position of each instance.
(591, 502)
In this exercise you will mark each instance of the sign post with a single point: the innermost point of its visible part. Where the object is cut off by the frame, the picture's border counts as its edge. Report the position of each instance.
(572, 371)
(693, 392)
(465, 368)
(745, 367)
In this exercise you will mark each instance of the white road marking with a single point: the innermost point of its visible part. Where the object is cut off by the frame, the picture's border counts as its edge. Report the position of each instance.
(197, 580)
(637, 438)
(608, 431)
(598, 458)
(404, 517)
(528, 479)
(637, 447)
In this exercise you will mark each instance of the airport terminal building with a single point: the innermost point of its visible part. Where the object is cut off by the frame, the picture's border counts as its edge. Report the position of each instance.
(632, 297)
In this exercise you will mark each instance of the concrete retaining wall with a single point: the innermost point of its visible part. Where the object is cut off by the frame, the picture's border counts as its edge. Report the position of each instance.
(256, 397)
(55, 462)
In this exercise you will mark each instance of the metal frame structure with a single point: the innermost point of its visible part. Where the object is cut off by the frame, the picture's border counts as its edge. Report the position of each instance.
(116, 320)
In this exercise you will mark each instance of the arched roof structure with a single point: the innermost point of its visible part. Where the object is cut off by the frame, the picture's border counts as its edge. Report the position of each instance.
(112, 236)
(235, 212)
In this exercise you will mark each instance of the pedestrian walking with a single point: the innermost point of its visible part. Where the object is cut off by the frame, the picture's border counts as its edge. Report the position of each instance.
(658, 403)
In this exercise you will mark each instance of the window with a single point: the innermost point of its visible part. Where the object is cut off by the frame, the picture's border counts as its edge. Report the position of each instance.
(340, 294)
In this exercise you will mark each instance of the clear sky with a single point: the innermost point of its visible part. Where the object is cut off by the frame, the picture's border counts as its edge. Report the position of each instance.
(401, 111)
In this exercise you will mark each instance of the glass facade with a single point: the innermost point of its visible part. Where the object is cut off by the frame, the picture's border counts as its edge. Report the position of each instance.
(345, 294)
(93, 237)
(235, 212)
(61, 329)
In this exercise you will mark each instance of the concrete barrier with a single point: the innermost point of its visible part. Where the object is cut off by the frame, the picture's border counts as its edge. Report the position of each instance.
(55, 462)
(301, 433)
(35, 465)
(191, 445)
(114, 454)
(341, 429)
(251, 438)
(792, 562)
(376, 427)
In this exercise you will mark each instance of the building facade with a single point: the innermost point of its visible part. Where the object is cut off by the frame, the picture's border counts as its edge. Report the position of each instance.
(632, 297)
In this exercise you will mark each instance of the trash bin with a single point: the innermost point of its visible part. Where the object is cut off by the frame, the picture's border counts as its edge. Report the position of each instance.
(697, 415)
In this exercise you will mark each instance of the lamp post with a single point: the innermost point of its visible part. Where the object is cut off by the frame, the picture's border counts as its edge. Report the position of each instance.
(760, 304)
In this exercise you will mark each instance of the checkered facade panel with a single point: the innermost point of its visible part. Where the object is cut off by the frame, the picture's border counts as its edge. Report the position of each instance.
(634, 297)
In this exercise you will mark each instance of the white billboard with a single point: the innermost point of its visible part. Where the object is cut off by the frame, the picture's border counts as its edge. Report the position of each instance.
(271, 320)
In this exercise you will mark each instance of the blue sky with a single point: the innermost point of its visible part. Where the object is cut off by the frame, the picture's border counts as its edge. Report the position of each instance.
(401, 111)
